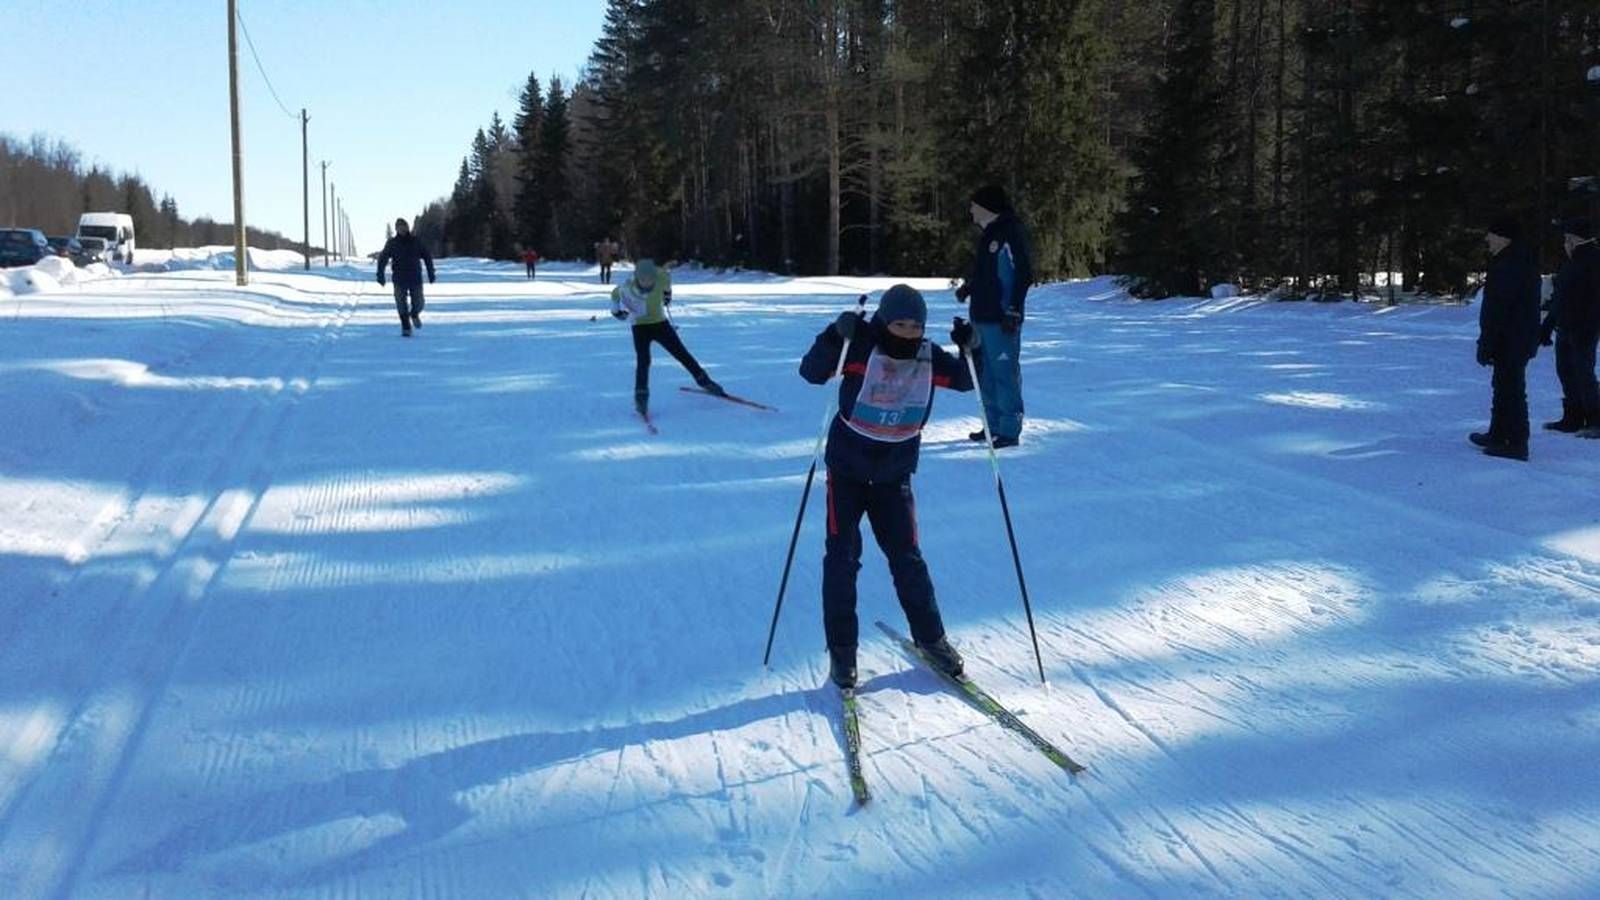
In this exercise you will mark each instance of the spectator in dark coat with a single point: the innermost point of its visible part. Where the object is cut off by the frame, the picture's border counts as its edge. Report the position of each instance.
(409, 256)
(1574, 319)
(997, 285)
(1508, 337)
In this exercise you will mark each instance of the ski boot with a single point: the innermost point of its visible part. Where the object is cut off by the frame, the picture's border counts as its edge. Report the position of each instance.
(943, 657)
(711, 387)
(842, 667)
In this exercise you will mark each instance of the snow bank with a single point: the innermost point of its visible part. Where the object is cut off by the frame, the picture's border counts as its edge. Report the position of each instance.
(32, 280)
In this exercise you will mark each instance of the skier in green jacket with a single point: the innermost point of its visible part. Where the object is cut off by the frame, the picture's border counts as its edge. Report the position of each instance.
(644, 299)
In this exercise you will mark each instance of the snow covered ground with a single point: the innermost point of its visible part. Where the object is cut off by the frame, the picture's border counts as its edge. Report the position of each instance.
(294, 607)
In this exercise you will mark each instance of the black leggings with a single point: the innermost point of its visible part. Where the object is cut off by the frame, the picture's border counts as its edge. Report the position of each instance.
(664, 334)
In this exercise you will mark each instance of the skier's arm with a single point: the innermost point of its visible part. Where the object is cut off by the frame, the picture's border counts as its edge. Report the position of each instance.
(427, 259)
(950, 371)
(383, 262)
(819, 363)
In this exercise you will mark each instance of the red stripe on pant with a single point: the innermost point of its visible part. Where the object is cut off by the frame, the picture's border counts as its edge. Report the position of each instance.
(833, 521)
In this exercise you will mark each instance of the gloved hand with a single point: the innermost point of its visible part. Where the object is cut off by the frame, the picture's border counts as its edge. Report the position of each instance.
(1011, 323)
(380, 278)
(963, 292)
(1485, 358)
(430, 278)
(964, 335)
(667, 300)
(845, 326)
(1547, 333)
(619, 314)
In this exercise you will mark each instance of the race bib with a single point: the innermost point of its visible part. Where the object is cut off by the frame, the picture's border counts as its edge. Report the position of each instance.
(894, 396)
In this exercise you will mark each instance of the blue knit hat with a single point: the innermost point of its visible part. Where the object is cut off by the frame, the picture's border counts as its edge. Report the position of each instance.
(902, 302)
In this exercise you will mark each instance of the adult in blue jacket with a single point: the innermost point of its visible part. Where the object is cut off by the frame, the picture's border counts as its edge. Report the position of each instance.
(997, 287)
(409, 256)
(885, 398)
(1508, 337)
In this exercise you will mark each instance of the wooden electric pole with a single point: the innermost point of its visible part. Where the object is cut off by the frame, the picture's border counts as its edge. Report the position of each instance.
(239, 261)
(305, 185)
(333, 215)
(324, 214)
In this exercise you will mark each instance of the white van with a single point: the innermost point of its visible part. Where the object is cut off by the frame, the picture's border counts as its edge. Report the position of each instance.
(116, 229)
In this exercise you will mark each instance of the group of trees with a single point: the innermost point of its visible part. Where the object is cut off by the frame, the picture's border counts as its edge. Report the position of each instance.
(44, 185)
(1322, 144)
(1303, 144)
(519, 187)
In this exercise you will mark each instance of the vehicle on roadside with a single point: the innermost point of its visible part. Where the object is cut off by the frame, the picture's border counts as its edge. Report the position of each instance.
(115, 228)
(96, 249)
(70, 248)
(22, 247)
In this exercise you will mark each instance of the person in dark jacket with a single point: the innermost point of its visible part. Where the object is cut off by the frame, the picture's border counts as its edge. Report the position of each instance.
(1574, 320)
(409, 257)
(997, 286)
(1508, 337)
(885, 398)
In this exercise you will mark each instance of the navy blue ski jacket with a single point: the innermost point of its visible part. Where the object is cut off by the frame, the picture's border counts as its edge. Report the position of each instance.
(409, 255)
(855, 456)
(1002, 270)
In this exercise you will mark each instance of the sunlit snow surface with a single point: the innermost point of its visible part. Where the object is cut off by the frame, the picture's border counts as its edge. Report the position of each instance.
(294, 607)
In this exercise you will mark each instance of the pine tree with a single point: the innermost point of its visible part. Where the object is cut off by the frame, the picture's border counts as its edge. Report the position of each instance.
(550, 209)
(1171, 225)
(530, 115)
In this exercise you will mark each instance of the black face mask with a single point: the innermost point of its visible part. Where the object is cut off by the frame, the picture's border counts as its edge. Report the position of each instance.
(899, 347)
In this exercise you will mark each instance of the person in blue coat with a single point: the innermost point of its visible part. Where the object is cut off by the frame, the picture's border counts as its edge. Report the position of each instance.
(409, 256)
(997, 288)
(1508, 337)
(885, 399)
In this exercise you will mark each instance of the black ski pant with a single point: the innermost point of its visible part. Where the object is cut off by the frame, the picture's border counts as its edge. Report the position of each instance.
(533, 271)
(664, 334)
(1575, 360)
(892, 510)
(1508, 410)
(414, 291)
(605, 273)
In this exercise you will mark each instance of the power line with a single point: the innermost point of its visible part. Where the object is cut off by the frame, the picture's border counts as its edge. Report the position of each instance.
(262, 69)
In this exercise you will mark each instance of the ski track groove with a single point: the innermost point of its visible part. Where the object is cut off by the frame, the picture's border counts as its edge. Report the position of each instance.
(185, 576)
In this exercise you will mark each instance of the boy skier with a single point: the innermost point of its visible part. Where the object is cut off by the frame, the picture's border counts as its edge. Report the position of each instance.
(885, 398)
(644, 298)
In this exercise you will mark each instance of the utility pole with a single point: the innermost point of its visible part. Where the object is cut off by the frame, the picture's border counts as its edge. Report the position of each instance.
(239, 259)
(305, 184)
(333, 215)
(324, 214)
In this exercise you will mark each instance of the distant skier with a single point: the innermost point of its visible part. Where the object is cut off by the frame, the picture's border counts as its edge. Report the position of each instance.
(530, 258)
(1574, 319)
(1002, 272)
(644, 298)
(605, 253)
(885, 398)
(1508, 337)
(409, 256)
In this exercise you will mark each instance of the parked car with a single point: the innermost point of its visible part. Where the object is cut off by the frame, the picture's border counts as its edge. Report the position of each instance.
(116, 228)
(71, 249)
(22, 246)
(96, 249)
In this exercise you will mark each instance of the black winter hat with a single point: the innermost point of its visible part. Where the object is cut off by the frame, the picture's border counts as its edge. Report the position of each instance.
(1507, 227)
(902, 302)
(993, 198)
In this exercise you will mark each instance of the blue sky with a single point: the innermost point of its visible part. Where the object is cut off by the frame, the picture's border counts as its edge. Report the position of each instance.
(395, 91)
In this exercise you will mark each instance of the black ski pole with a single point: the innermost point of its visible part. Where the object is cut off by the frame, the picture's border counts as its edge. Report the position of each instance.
(1005, 508)
(816, 454)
